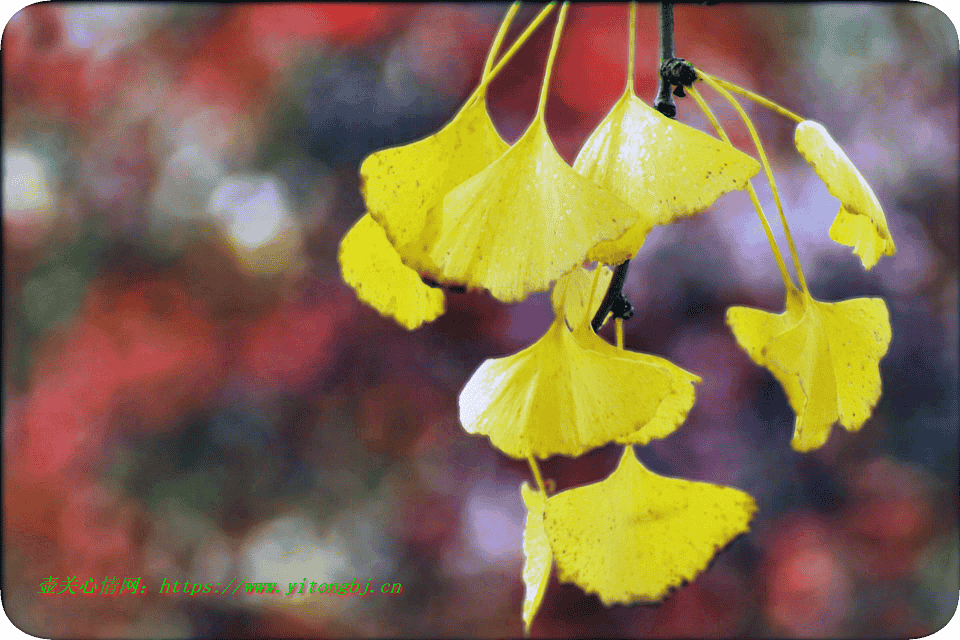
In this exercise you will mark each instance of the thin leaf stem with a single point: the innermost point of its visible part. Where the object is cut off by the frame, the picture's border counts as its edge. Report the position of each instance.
(781, 265)
(498, 39)
(548, 74)
(766, 168)
(632, 48)
(519, 42)
(764, 102)
(536, 474)
(593, 289)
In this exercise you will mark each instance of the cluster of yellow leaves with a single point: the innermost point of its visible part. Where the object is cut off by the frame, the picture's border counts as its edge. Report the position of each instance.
(464, 207)
(825, 354)
(569, 392)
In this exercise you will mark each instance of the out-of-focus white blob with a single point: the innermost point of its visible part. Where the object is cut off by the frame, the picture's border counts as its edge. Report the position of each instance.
(214, 560)
(292, 552)
(184, 120)
(25, 184)
(186, 182)
(491, 524)
(257, 223)
(29, 199)
(181, 193)
(103, 29)
(290, 549)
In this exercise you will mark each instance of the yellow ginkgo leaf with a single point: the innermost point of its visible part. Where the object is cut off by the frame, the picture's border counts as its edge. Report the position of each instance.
(560, 397)
(525, 220)
(537, 557)
(860, 223)
(571, 292)
(825, 354)
(635, 535)
(370, 265)
(674, 407)
(403, 187)
(664, 169)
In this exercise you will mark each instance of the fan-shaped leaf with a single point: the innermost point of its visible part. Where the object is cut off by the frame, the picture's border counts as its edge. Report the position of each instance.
(524, 221)
(403, 187)
(662, 168)
(370, 265)
(825, 354)
(635, 535)
(860, 223)
(559, 396)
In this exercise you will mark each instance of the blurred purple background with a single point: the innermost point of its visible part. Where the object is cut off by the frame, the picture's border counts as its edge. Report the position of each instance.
(192, 393)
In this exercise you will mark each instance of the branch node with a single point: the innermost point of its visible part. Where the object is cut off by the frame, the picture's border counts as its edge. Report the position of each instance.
(678, 72)
(621, 307)
(667, 108)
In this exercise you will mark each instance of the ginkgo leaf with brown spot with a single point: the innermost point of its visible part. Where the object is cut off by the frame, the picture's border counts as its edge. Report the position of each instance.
(528, 218)
(371, 266)
(664, 169)
(403, 187)
(559, 396)
(537, 557)
(635, 535)
(524, 221)
(825, 354)
(860, 223)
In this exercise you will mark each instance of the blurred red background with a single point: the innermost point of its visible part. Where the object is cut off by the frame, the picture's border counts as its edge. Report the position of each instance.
(192, 392)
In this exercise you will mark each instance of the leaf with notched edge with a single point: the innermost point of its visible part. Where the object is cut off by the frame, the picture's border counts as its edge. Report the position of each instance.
(825, 354)
(635, 535)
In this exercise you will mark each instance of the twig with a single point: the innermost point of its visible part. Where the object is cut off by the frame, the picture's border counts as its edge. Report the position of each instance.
(664, 102)
(614, 299)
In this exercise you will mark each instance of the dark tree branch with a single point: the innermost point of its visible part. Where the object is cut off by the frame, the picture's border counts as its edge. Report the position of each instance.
(613, 296)
(614, 299)
(664, 102)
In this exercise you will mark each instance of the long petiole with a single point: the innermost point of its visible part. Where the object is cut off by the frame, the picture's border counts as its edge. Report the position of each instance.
(536, 474)
(498, 40)
(707, 111)
(766, 167)
(765, 102)
(548, 74)
(593, 289)
(519, 42)
(631, 48)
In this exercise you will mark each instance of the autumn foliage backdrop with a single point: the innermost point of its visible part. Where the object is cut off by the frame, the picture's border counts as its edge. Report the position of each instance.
(191, 392)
